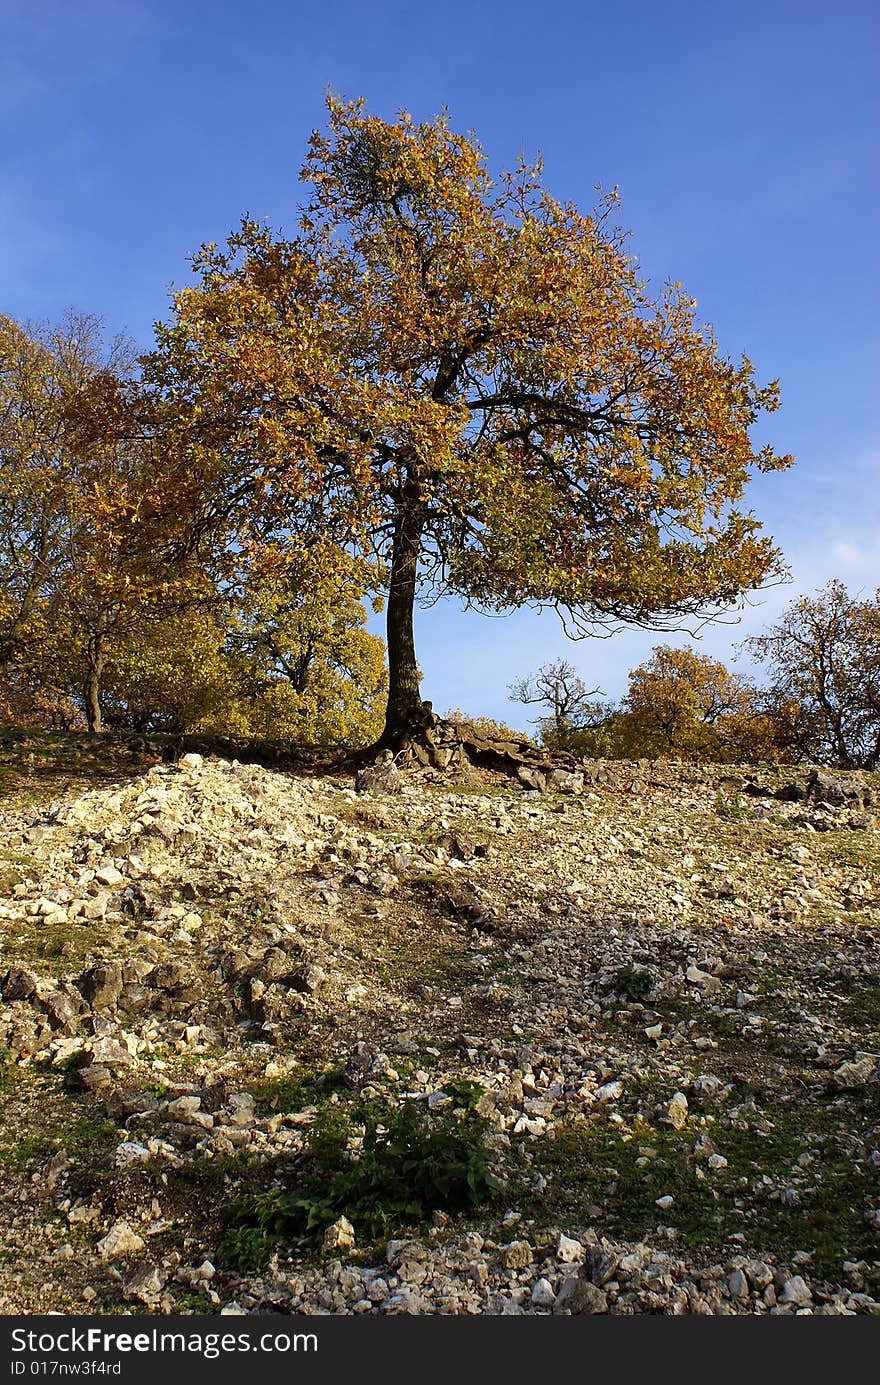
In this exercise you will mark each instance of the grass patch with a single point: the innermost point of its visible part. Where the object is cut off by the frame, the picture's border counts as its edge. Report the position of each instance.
(9, 1070)
(72, 942)
(633, 983)
(730, 807)
(296, 1091)
(86, 1135)
(15, 868)
(383, 1167)
(862, 1008)
(626, 1170)
(861, 849)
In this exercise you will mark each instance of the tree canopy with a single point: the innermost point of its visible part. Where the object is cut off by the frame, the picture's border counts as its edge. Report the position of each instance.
(680, 698)
(678, 703)
(466, 381)
(823, 657)
(77, 568)
(105, 618)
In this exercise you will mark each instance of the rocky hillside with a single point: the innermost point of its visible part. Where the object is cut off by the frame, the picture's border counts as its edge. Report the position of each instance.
(270, 1043)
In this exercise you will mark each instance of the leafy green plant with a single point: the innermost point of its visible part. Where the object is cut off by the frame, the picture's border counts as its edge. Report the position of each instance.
(8, 1068)
(379, 1165)
(265, 1221)
(464, 1093)
(412, 1163)
(634, 983)
(296, 1090)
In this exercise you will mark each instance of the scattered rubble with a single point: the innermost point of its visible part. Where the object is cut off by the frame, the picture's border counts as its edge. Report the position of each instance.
(670, 970)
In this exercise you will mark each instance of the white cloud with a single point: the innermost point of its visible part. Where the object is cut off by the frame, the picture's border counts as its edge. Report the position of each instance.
(854, 559)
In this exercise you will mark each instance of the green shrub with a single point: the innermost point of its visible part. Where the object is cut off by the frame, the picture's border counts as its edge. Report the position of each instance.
(633, 984)
(8, 1067)
(407, 1164)
(266, 1221)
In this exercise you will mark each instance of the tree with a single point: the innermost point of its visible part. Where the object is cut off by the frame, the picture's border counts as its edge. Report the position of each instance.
(573, 707)
(305, 668)
(823, 656)
(468, 380)
(104, 620)
(80, 566)
(260, 661)
(171, 676)
(41, 368)
(682, 702)
(775, 729)
(678, 702)
(488, 728)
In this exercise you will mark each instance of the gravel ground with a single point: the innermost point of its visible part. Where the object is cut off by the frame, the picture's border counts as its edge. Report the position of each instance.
(646, 1010)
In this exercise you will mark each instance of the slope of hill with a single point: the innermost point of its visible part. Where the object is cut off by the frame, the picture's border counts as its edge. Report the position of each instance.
(271, 1043)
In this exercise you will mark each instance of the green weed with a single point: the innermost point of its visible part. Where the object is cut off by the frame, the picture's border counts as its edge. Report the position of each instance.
(381, 1166)
(633, 983)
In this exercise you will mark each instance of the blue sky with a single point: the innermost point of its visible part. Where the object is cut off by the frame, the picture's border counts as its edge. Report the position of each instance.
(744, 140)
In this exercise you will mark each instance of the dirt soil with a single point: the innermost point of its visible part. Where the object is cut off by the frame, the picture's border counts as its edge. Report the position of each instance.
(629, 1033)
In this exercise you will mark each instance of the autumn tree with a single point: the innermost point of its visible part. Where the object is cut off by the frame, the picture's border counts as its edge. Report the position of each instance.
(303, 664)
(573, 708)
(777, 729)
(169, 676)
(80, 568)
(468, 379)
(40, 370)
(105, 619)
(682, 702)
(260, 660)
(823, 659)
(678, 702)
(487, 728)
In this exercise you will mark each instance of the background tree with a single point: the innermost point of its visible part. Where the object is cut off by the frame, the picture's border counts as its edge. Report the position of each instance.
(171, 676)
(777, 729)
(469, 380)
(41, 369)
(684, 703)
(486, 727)
(573, 707)
(823, 657)
(106, 618)
(304, 666)
(678, 703)
(313, 675)
(80, 569)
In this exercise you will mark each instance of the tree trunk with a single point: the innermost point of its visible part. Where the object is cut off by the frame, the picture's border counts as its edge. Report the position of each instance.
(406, 711)
(92, 689)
